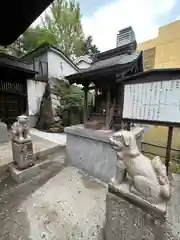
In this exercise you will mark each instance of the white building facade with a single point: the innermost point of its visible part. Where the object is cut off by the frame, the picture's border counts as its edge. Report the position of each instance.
(51, 64)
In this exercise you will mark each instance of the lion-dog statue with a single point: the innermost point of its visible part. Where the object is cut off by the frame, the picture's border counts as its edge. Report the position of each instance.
(149, 179)
(20, 129)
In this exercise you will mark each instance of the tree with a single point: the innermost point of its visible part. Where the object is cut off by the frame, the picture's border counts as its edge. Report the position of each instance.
(60, 27)
(64, 23)
(33, 37)
(13, 49)
(71, 102)
(89, 48)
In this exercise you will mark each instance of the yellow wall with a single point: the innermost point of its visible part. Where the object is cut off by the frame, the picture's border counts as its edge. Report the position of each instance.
(167, 46)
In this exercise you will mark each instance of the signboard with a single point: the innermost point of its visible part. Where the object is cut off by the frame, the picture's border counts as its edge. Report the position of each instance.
(153, 101)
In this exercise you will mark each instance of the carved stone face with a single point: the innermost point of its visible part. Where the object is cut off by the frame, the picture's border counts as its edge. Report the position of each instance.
(123, 141)
(22, 119)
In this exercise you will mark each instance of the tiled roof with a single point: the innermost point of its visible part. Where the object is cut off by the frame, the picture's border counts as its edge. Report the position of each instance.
(116, 60)
(85, 58)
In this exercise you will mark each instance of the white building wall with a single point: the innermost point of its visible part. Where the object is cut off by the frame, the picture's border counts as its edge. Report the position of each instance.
(58, 67)
(55, 61)
(35, 91)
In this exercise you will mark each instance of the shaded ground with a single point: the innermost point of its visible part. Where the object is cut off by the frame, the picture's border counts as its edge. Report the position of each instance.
(60, 204)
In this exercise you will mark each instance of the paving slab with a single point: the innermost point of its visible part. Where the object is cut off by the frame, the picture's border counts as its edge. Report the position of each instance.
(60, 203)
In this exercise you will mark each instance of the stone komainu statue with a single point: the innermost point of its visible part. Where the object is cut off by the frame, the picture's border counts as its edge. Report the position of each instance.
(22, 148)
(20, 129)
(149, 179)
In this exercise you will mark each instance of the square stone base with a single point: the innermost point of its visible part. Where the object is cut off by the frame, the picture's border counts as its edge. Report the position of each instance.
(26, 174)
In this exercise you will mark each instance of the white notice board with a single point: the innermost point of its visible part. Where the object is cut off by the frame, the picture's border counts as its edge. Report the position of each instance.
(155, 101)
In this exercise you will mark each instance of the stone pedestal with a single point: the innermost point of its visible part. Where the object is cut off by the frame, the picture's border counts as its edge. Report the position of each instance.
(3, 132)
(22, 154)
(130, 218)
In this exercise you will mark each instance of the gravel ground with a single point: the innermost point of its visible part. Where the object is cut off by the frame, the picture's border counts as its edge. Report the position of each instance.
(60, 204)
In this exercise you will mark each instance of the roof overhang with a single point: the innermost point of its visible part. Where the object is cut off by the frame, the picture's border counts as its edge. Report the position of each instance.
(152, 75)
(11, 63)
(17, 16)
(95, 75)
(43, 48)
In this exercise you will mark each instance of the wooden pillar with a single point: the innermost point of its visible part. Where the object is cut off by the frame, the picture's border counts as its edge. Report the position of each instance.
(85, 104)
(108, 102)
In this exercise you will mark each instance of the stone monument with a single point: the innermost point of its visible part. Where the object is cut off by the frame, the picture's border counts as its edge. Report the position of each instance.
(3, 132)
(22, 147)
(139, 195)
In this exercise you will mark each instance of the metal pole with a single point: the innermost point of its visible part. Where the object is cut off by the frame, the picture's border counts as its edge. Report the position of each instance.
(108, 100)
(168, 149)
(85, 104)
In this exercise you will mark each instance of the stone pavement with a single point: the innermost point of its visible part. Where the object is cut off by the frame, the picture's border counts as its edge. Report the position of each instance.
(59, 204)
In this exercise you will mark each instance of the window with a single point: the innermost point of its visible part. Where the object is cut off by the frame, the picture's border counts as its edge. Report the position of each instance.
(149, 58)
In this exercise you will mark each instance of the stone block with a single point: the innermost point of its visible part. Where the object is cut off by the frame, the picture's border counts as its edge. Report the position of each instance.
(26, 174)
(96, 125)
(90, 150)
(3, 132)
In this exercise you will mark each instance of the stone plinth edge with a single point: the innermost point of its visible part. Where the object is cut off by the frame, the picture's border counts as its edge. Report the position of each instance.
(27, 174)
(98, 135)
(122, 191)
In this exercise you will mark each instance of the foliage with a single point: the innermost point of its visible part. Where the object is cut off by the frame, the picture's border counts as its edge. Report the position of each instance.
(89, 48)
(71, 97)
(33, 37)
(61, 27)
(71, 102)
(13, 49)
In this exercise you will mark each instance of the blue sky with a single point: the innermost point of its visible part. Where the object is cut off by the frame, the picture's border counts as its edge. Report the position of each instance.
(89, 7)
(102, 19)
